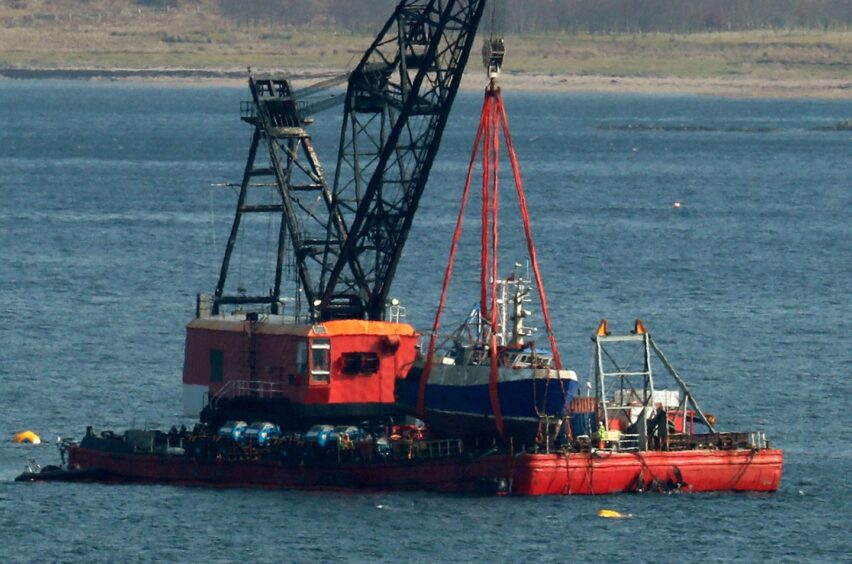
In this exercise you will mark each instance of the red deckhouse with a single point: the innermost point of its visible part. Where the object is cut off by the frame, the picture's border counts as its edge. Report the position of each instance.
(323, 372)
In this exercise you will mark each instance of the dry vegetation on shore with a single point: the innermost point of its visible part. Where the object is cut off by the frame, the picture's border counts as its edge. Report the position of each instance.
(109, 35)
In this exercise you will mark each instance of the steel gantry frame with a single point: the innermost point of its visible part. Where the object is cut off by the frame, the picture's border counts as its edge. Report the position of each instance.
(635, 384)
(293, 168)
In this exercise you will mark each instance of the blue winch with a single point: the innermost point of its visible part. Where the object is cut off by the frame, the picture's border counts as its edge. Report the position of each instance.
(260, 433)
(319, 434)
(234, 429)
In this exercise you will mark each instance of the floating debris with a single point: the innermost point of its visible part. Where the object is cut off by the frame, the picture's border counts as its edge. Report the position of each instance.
(683, 128)
(845, 125)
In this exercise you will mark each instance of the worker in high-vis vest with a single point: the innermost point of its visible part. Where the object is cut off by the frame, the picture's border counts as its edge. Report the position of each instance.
(601, 435)
(613, 435)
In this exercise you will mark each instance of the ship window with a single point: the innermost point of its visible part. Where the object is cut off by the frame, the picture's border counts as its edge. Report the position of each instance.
(369, 363)
(302, 357)
(217, 362)
(360, 363)
(351, 363)
(321, 361)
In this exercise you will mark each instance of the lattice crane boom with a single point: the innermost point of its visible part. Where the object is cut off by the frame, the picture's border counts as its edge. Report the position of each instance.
(347, 236)
(397, 105)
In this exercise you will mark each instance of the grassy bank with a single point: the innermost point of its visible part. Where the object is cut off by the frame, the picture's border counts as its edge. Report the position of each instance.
(193, 39)
(799, 55)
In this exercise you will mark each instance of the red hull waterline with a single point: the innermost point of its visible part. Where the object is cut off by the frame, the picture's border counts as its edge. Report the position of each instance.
(585, 473)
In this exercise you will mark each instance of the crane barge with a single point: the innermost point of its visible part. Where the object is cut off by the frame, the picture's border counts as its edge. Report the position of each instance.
(331, 389)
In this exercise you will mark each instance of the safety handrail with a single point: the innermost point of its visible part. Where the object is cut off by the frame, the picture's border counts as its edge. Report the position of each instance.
(255, 388)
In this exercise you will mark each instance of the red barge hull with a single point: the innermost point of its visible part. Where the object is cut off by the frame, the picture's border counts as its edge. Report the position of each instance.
(524, 474)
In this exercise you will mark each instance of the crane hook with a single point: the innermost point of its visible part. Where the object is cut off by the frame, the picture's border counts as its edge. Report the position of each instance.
(494, 48)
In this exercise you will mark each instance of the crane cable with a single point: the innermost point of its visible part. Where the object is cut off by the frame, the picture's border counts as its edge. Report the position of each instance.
(492, 120)
(516, 172)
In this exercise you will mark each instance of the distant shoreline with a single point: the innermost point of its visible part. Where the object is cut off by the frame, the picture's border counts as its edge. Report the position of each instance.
(734, 86)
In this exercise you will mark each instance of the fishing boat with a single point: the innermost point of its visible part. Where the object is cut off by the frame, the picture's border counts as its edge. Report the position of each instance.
(530, 389)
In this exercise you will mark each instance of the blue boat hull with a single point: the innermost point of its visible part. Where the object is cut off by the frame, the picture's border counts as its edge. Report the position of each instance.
(464, 410)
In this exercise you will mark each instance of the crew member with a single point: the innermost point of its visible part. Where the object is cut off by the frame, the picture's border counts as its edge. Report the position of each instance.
(659, 427)
(601, 435)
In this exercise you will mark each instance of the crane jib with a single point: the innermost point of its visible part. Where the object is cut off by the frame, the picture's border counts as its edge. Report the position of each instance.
(412, 94)
(347, 235)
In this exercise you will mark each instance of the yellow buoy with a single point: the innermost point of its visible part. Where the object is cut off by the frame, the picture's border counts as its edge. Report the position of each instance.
(610, 514)
(27, 437)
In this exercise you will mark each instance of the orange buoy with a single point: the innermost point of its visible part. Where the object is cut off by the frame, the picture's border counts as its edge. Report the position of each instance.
(27, 437)
(611, 514)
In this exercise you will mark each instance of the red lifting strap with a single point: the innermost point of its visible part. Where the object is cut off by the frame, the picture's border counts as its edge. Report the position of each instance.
(493, 159)
(488, 112)
(492, 119)
(516, 171)
(424, 376)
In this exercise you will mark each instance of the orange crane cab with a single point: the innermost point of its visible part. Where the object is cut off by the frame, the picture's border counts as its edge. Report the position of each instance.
(246, 363)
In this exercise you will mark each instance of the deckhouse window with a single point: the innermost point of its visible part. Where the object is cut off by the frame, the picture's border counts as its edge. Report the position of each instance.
(217, 363)
(360, 363)
(369, 363)
(351, 363)
(302, 357)
(321, 361)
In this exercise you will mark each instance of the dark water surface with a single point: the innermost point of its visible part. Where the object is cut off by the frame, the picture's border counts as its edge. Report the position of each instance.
(108, 229)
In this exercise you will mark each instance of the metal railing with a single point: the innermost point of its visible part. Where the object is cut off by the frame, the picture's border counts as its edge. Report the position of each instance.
(719, 441)
(428, 449)
(249, 388)
(629, 442)
(623, 442)
(248, 109)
